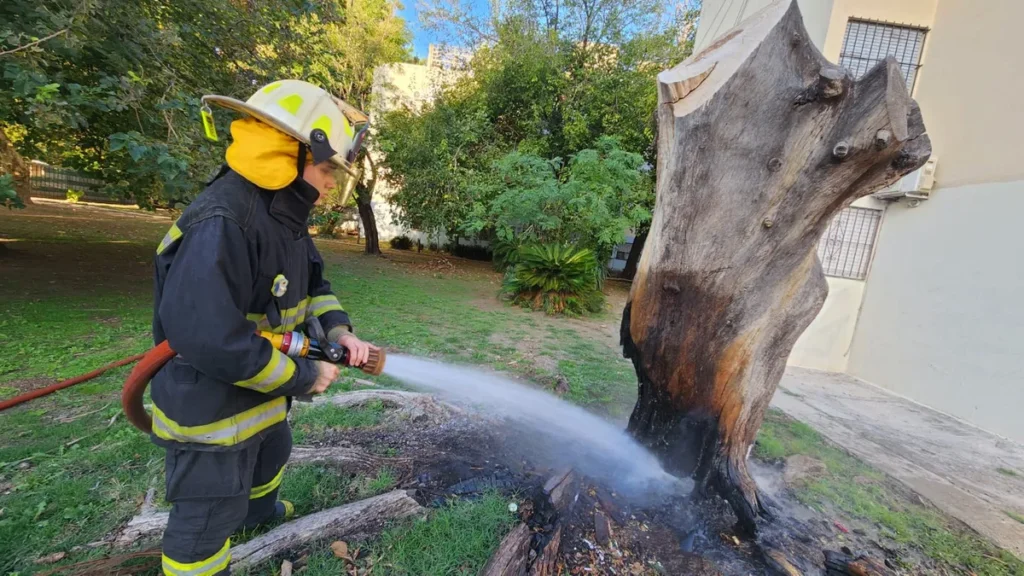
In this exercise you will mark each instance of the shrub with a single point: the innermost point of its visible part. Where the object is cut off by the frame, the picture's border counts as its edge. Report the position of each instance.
(401, 243)
(558, 278)
(8, 195)
(506, 253)
(74, 195)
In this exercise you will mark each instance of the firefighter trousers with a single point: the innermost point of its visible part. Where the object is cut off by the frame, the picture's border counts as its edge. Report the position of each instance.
(214, 494)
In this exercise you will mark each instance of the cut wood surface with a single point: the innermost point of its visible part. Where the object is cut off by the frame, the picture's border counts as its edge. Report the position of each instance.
(761, 141)
(512, 556)
(362, 517)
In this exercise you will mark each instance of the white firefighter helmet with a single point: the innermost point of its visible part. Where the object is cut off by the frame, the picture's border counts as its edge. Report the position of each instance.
(331, 128)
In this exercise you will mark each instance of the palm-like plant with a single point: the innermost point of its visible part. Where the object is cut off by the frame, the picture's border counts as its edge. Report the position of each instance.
(556, 277)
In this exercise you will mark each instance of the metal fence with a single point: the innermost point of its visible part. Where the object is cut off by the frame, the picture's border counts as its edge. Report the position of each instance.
(846, 246)
(55, 182)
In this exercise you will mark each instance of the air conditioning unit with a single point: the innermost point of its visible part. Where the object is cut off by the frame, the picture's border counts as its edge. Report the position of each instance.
(917, 185)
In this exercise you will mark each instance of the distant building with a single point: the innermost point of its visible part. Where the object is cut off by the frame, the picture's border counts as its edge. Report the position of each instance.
(412, 86)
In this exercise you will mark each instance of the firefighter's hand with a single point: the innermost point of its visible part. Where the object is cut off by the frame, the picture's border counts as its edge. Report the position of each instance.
(358, 351)
(326, 373)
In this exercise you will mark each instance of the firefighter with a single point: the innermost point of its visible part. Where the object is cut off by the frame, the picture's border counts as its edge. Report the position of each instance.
(240, 259)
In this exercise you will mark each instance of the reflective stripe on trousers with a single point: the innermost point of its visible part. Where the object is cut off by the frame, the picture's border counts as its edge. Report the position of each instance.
(261, 491)
(207, 567)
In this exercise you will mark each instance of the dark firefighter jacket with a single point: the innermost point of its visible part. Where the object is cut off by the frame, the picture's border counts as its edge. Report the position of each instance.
(219, 273)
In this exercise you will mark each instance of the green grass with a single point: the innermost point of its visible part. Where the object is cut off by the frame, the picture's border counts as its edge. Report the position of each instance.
(1007, 472)
(75, 492)
(1015, 516)
(314, 487)
(457, 539)
(310, 423)
(857, 489)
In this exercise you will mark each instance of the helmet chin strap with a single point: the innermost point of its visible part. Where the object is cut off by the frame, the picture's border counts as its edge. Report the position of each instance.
(302, 159)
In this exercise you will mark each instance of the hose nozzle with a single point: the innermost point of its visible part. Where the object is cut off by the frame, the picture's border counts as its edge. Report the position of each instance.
(375, 363)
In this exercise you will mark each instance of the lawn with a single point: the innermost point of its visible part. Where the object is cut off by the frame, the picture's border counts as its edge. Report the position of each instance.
(77, 283)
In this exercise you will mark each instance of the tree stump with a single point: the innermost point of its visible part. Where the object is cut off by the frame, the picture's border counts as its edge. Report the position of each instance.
(761, 141)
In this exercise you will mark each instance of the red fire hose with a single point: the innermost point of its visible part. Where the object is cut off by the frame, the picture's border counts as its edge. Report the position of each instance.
(135, 386)
(32, 395)
(131, 394)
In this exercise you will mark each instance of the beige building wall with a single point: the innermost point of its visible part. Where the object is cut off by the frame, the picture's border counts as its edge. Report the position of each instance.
(971, 90)
(941, 320)
(920, 13)
(719, 16)
(825, 345)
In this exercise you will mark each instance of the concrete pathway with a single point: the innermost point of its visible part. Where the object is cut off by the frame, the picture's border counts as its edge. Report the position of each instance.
(945, 460)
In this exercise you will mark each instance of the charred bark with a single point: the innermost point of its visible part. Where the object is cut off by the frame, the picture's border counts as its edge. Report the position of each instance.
(761, 141)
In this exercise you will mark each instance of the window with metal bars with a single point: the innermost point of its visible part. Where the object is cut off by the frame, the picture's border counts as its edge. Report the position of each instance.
(867, 43)
(845, 247)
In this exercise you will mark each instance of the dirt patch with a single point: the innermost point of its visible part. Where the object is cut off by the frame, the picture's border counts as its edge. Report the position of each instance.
(24, 385)
(55, 249)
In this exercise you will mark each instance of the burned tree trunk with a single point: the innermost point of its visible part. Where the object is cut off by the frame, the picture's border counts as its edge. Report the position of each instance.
(760, 142)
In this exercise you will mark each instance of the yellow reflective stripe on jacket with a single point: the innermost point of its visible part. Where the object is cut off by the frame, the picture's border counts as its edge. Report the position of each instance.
(226, 432)
(171, 237)
(208, 567)
(261, 491)
(279, 369)
(323, 304)
(291, 318)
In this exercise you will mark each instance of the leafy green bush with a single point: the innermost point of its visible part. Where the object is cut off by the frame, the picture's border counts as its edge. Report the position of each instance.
(591, 201)
(8, 196)
(74, 195)
(506, 252)
(558, 278)
(401, 243)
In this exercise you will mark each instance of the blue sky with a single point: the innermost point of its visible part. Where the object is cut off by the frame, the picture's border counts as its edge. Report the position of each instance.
(420, 38)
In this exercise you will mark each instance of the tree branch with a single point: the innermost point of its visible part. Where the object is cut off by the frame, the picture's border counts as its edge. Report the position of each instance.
(31, 44)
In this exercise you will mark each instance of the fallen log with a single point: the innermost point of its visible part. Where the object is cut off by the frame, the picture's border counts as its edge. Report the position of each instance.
(563, 495)
(546, 563)
(414, 406)
(512, 556)
(148, 523)
(761, 141)
(364, 516)
(350, 457)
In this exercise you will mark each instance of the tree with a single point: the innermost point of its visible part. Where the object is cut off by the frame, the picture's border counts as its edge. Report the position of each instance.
(589, 202)
(364, 199)
(760, 142)
(432, 158)
(112, 88)
(548, 80)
